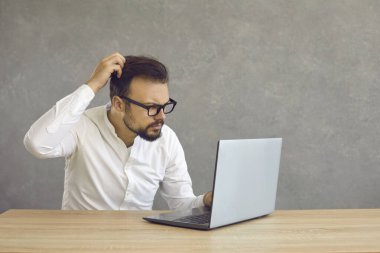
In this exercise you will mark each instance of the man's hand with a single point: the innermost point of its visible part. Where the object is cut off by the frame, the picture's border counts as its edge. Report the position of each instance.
(207, 199)
(104, 70)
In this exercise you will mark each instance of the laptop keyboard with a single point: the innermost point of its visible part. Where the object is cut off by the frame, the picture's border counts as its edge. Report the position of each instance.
(196, 219)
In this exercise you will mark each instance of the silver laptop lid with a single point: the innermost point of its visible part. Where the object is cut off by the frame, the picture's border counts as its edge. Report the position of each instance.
(245, 182)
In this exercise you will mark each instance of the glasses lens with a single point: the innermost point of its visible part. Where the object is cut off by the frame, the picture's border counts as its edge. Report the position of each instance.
(168, 108)
(154, 110)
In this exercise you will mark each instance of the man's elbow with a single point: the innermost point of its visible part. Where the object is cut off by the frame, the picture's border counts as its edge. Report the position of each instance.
(36, 148)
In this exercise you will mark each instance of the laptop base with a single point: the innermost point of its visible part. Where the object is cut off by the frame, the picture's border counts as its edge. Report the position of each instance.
(170, 218)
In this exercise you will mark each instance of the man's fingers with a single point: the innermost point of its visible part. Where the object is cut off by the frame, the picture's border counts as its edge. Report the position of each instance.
(111, 58)
(114, 68)
(104, 70)
(207, 199)
(108, 58)
(114, 59)
(121, 57)
(118, 69)
(118, 60)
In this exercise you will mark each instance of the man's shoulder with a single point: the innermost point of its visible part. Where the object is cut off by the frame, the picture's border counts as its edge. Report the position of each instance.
(94, 117)
(95, 112)
(166, 130)
(168, 133)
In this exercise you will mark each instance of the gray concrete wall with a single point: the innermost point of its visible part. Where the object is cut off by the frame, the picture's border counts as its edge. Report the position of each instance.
(307, 71)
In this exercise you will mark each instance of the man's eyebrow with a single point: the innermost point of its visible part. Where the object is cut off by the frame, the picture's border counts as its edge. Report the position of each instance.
(151, 103)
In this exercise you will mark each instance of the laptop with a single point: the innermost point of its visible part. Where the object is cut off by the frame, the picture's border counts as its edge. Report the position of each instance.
(245, 186)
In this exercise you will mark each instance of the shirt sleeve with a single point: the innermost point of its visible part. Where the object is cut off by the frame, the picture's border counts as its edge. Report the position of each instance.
(176, 188)
(52, 134)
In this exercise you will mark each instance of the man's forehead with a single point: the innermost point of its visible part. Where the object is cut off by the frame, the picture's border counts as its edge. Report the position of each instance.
(152, 90)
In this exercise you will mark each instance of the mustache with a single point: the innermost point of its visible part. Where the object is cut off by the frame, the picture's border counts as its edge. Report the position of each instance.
(157, 122)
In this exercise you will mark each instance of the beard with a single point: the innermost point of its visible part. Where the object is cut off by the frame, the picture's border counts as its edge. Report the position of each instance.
(144, 132)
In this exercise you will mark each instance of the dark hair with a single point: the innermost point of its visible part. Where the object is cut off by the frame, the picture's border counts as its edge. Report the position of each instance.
(137, 66)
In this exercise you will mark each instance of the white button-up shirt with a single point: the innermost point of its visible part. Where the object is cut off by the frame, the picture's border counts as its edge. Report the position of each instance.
(101, 173)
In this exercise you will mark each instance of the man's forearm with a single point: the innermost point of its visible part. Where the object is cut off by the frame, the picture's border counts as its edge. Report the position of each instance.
(185, 203)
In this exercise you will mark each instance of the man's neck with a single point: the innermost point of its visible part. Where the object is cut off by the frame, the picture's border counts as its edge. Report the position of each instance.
(126, 135)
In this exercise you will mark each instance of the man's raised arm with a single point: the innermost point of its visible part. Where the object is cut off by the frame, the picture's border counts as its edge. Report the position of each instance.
(52, 135)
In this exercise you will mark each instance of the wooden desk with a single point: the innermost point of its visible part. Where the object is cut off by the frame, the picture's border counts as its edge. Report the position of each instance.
(125, 231)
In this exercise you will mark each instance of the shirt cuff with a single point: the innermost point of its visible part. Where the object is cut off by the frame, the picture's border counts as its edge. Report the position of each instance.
(85, 92)
(82, 97)
(199, 201)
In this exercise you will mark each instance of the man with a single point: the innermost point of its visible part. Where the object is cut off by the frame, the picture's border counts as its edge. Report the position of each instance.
(118, 155)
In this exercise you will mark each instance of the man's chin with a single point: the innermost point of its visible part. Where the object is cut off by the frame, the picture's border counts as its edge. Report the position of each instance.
(150, 137)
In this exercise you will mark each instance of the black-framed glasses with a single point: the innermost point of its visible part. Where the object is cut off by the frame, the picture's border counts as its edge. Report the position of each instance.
(153, 110)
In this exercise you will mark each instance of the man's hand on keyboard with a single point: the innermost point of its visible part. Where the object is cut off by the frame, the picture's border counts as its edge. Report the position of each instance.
(207, 199)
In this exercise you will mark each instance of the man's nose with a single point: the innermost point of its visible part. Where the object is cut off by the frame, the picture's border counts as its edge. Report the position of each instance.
(160, 115)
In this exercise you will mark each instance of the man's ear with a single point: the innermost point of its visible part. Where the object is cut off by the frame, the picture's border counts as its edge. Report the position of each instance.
(118, 104)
